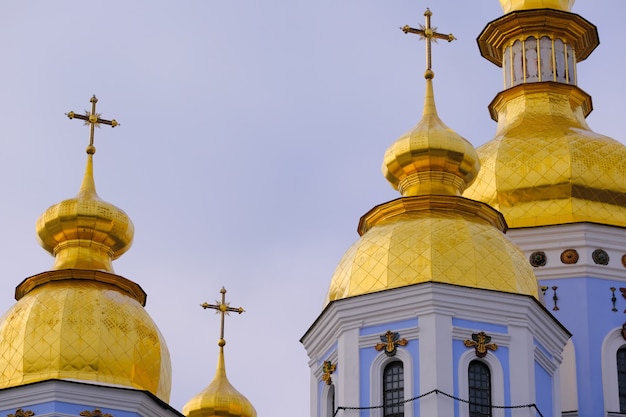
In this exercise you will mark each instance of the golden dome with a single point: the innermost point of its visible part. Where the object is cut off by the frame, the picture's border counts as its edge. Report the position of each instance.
(442, 239)
(85, 232)
(220, 398)
(432, 234)
(75, 325)
(514, 5)
(80, 321)
(431, 158)
(545, 166)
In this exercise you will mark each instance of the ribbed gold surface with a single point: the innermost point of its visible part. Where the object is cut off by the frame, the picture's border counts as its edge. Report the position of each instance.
(512, 5)
(432, 243)
(431, 158)
(85, 232)
(83, 330)
(220, 398)
(545, 166)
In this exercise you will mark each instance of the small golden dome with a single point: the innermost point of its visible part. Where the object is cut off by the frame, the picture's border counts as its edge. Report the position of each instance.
(85, 232)
(514, 5)
(431, 158)
(220, 398)
(78, 327)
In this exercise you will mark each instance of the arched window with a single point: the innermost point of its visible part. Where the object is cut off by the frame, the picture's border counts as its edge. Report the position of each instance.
(393, 389)
(479, 384)
(621, 378)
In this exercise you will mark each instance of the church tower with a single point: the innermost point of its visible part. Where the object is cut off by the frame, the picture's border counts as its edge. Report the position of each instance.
(433, 311)
(562, 189)
(79, 341)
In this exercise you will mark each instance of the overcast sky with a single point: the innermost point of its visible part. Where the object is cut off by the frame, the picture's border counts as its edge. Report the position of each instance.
(252, 134)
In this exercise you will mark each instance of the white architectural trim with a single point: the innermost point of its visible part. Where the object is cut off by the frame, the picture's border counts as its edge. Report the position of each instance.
(612, 342)
(328, 400)
(569, 382)
(376, 381)
(497, 381)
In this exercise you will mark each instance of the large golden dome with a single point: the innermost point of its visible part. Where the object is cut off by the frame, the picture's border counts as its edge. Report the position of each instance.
(80, 321)
(432, 234)
(75, 325)
(545, 166)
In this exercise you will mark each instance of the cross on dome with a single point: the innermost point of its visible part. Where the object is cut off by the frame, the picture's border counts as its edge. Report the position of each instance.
(223, 308)
(430, 34)
(92, 119)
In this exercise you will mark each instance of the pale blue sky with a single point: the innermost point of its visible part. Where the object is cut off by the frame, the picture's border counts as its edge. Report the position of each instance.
(251, 138)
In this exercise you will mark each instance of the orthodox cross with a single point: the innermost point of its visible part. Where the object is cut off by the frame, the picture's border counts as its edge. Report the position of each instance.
(94, 120)
(430, 34)
(328, 368)
(480, 341)
(223, 308)
(390, 342)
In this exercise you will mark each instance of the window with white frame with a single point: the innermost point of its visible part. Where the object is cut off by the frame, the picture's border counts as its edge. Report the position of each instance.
(612, 386)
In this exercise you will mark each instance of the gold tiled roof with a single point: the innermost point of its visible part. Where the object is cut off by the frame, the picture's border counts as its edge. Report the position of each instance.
(83, 330)
(513, 5)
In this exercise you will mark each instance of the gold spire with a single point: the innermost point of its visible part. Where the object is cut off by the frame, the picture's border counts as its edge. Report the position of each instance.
(220, 398)
(85, 232)
(431, 234)
(431, 158)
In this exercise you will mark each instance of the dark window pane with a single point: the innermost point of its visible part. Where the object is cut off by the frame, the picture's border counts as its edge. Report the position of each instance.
(479, 382)
(393, 390)
(621, 378)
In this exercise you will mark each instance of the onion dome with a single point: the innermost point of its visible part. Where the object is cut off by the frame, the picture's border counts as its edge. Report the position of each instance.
(431, 234)
(545, 166)
(220, 398)
(80, 321)
(513, 5)
(85, 232)
(431, 158)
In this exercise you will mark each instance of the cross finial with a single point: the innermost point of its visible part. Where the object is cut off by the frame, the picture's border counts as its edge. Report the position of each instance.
(93, 120)
(430, 34)
(223, 308)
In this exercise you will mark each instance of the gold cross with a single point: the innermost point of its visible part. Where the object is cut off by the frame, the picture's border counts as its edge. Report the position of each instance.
(430, 34)
(480, 341)
(93, 120)
(222, 308)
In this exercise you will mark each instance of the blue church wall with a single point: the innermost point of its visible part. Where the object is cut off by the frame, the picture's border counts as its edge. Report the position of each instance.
(543, 390)
(382, 328)
(60, 407)
(366, 358)
(585, 309)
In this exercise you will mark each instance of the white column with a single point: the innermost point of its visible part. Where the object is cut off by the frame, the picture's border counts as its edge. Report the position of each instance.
(435, 363)
(348, 375)
(522, 369)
